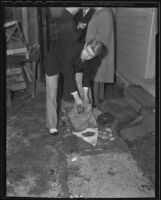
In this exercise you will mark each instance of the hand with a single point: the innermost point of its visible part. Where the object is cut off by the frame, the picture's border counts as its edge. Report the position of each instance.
(79, 108)
(85, 100)
(79, 101)
(81, 93)
(81, 25)
(78, 105)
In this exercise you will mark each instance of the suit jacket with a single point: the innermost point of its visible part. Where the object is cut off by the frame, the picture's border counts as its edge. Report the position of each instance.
(101, 28)
(63, 28)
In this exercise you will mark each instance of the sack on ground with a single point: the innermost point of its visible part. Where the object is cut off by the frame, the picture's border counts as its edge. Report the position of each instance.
(81, 121)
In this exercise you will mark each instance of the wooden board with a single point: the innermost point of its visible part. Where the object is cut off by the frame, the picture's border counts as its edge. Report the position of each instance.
(17, 51)
(141, 96)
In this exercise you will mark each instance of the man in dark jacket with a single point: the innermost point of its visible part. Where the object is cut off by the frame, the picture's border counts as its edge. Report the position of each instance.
(63, 30)
(82, 19)
(62, 27)
(69, 59)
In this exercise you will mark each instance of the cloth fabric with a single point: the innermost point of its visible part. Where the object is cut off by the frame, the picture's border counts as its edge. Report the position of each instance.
(51, 101)
(62, 28)
(98, 92)
(84, 19)
(80, 17)
(62, 32)
(84, 120)
(65, 58)
(91, 139)
(100, 28)
(78, 78)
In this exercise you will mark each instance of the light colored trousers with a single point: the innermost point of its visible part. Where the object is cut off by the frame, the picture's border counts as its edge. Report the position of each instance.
(51, 98)
(51, 101)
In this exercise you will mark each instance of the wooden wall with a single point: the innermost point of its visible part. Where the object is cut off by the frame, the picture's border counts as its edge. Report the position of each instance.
(13, 13)
(135, 39)
(30, 24)
(28, 18)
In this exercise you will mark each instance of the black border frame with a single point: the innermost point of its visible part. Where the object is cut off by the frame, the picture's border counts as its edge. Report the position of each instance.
(66, 3)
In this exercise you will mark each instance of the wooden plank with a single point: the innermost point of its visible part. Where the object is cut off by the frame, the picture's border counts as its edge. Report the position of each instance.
(17, 51)
(141, 96)
(133, 56)
(33, 79)
(14, 71)
(10, 97)
(132, 102)
(149, 85)
(18, 86)
(133, 12)
(132, 29)
(133, 41)
(10, 23)
(14, 79)
(134, 46)
(28, 67)
(27, 74)
(32, 25)
(25, 22)
(150, 60)
(9, 34)
(125, 45)
(132, 19)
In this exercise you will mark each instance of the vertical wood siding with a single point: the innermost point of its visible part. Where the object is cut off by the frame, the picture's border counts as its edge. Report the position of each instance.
(32, 26)
(133, 39)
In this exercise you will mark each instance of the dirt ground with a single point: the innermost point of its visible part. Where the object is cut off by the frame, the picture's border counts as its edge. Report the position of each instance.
(40, 165)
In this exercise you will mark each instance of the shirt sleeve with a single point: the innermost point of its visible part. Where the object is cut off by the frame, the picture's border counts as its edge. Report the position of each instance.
(86, 80)
(90, 71)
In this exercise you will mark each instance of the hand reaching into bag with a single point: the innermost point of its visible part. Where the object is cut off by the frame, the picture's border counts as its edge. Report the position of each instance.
(78, 105)
(80, 108)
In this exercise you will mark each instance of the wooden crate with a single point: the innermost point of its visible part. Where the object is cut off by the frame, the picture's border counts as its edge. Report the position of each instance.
(16, 79)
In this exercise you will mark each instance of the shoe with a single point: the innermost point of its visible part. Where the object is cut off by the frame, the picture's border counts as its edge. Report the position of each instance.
(53, 131)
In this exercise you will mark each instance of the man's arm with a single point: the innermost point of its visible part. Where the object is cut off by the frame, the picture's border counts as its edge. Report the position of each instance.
(69, 80)
(86, 82)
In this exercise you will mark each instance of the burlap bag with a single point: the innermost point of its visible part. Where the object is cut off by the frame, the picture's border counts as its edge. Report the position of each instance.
(81, 121)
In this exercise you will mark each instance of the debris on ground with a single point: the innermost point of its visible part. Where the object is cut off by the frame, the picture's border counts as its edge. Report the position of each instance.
(39, 165)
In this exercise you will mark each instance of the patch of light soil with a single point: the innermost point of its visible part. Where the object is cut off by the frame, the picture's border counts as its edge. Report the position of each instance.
(23, 188)
(106, 175)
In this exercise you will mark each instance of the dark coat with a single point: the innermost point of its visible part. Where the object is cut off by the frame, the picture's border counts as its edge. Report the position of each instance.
(63, 28)
(79, 18)
(65, 59)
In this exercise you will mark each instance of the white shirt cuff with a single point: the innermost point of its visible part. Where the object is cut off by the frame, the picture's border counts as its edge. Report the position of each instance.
(85, 88)
(74, 92)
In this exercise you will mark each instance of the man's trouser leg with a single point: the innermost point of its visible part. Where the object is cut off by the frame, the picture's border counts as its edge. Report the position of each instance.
(51, 101)
(98, 92)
